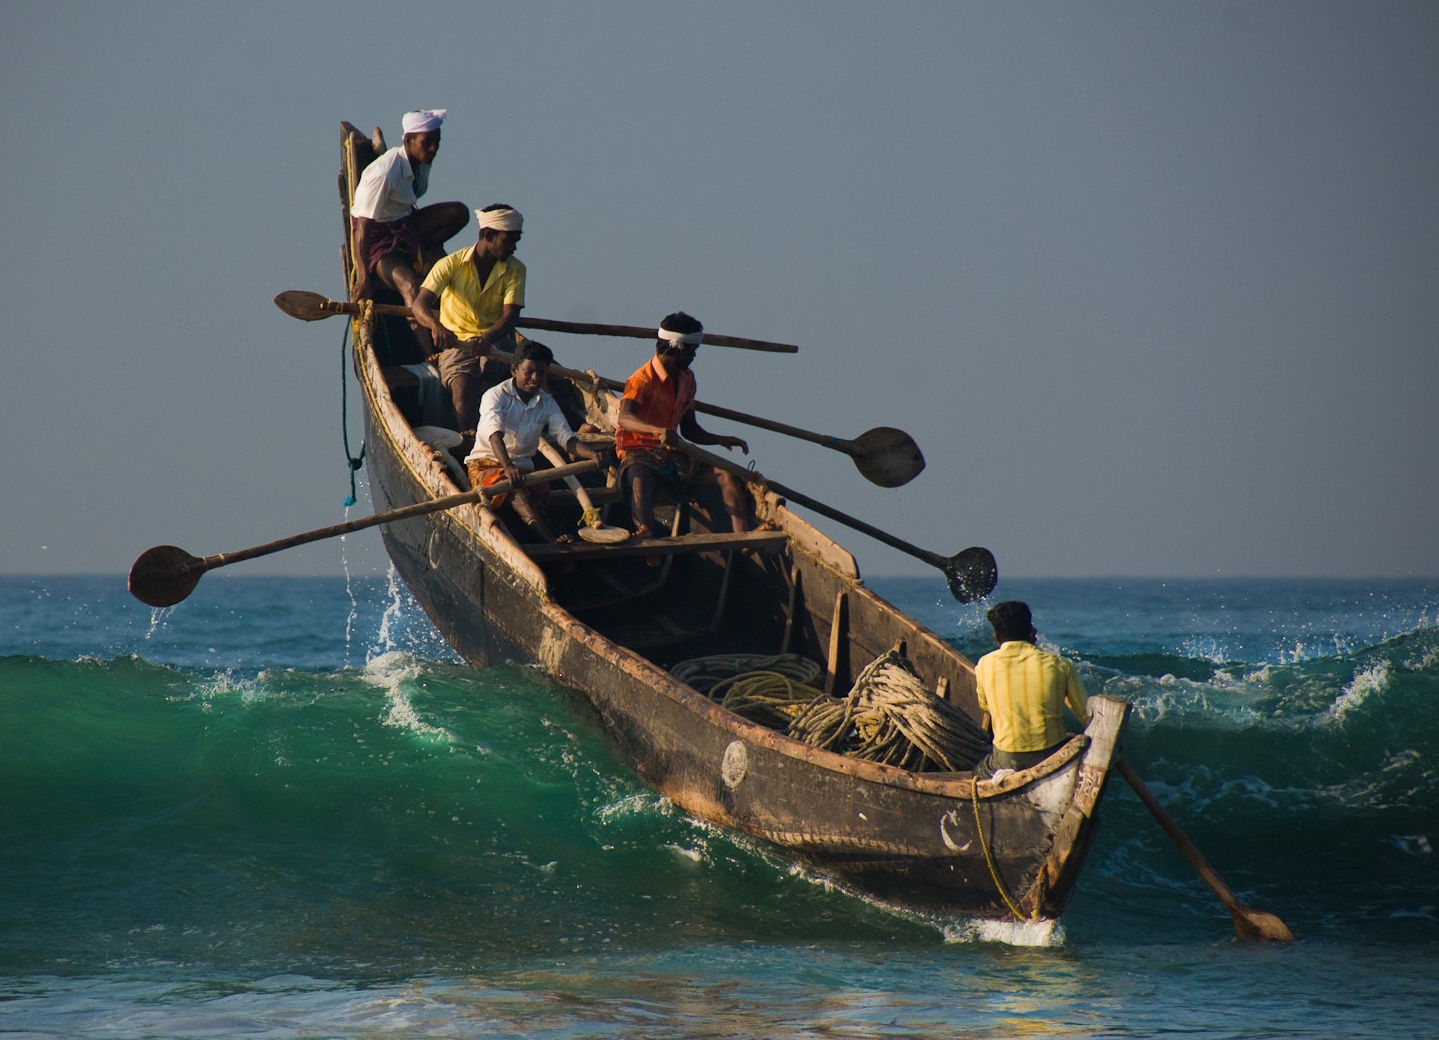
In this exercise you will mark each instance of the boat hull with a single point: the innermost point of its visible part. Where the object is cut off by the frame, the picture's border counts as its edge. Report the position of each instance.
(943, 842)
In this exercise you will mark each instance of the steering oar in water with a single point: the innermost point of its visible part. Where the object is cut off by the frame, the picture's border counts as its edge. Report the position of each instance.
(166, 574)
(884, 455)
(1248, 922)
(971, 573)
(309, 306)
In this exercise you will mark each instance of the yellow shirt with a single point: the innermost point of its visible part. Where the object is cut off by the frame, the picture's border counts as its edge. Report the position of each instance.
(467, 308)
(1024, 689)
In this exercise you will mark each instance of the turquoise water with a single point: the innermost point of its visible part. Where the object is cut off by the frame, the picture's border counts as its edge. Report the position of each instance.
(283, 808)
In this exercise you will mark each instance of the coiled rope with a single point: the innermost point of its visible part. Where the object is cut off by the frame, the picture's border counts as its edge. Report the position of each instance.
(892, 718)
(889, 716)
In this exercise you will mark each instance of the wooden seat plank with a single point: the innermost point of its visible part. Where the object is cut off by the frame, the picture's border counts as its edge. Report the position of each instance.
(765, 541)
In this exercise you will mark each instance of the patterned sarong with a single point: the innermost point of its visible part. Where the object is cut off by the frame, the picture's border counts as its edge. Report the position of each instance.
(671, 465)
(485, 473)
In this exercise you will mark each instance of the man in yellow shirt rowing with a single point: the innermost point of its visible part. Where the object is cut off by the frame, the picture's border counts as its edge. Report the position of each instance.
(470, 302)
(1022, 691)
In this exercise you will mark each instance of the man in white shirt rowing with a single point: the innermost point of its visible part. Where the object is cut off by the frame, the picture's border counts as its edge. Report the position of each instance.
(514, 415)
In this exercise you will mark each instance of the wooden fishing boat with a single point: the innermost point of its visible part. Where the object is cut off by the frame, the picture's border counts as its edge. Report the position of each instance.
(611, 621)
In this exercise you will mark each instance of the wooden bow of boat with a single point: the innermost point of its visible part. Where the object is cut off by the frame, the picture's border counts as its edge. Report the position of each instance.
(616, 623)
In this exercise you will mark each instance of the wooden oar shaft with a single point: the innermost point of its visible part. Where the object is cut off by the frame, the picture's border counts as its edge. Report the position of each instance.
(581, 328)
(719, 411)
(931, 558)
(837, 443)
(884, 456)
(309, 306)
(1248, 922)
(391, 516)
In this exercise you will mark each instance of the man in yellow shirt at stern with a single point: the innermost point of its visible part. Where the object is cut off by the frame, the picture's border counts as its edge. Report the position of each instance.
(1022, 692)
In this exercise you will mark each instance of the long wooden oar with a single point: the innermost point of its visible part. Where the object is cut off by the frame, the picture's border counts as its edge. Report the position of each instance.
(971, 573)
(309, 306)
(884, 455)
(592, 528)
(1248, 922)
(166, 574)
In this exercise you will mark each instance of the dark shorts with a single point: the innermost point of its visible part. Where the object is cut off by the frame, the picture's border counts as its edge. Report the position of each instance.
(666, 464)
(463, 362)
(400, 237)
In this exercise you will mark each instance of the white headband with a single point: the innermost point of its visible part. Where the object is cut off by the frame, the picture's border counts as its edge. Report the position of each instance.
(500, 219)
(682, 339)
(422, 122)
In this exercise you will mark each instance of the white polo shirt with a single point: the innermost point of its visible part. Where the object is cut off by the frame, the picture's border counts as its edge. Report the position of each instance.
(522, 422)
(389, 187)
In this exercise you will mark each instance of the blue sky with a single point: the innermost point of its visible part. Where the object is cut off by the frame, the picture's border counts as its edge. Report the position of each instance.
(1152, 285)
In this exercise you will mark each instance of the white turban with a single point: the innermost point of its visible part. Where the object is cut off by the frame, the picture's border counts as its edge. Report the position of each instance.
(422, 122)
(500, 219)
(682, 339)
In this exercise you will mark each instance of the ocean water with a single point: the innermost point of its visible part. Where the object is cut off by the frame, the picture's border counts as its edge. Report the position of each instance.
(283, 808)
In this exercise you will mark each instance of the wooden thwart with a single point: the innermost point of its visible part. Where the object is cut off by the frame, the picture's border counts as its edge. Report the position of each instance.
(765, 541)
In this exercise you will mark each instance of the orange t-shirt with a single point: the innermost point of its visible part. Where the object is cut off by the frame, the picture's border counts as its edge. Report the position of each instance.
(658, 401)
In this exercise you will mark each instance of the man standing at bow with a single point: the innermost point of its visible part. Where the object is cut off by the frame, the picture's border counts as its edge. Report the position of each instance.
(389, 229)
(656, 410)
(470, 302)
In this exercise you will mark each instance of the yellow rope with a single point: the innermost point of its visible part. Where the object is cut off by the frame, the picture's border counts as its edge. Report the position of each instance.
(591, 517)
(366, 314)
(989, 859)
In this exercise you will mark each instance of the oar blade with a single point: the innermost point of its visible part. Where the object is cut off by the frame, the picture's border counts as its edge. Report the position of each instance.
(604, 534)
(1257, 924)
(307, 306)
(887, 456)
(164, 575)
(971, 573)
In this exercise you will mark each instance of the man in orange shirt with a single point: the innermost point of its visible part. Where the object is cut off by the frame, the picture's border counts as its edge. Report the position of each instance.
(657, 410)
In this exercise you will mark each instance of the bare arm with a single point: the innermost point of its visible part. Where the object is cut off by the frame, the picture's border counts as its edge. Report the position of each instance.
(502, 455)
(426, 310)
(498, 331)
(693, 431)
(629, 420)
(578, 449)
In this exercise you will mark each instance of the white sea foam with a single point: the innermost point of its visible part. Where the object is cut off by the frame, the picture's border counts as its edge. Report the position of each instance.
(226, 684)
(1010, 933)
(394, 609)
(693, 855)
(638, 804)
(391, 672)
(1364, 685)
